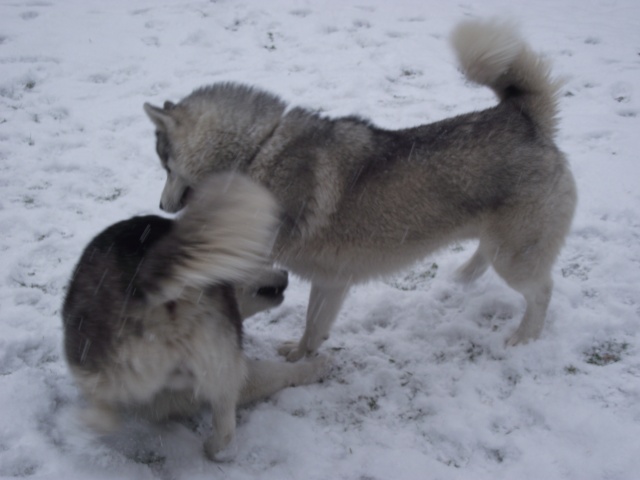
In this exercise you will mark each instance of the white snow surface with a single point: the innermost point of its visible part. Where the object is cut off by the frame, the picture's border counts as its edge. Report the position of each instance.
(422, 385)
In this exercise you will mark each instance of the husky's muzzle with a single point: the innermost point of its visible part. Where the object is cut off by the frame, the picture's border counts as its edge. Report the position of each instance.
(184, 199)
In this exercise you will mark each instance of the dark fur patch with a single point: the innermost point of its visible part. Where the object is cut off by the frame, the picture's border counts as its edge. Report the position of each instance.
(104, 287)
(163, 148)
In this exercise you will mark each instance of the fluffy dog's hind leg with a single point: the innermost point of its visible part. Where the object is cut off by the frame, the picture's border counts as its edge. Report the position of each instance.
(324, 304)
(266, 378)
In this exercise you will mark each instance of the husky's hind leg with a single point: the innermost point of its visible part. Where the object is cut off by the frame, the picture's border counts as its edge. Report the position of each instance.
(324, 304)
(537, 296)
(473, 268)
(525, 263)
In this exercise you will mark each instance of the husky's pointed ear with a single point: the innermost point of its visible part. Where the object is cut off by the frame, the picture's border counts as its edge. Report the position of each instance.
(161, 118)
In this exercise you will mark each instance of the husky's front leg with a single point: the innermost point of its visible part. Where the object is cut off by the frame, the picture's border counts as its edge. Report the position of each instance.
(324, 304)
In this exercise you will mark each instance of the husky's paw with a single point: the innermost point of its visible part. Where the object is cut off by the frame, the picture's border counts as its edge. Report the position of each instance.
(292, 351)
(220, 453)
(520, 337)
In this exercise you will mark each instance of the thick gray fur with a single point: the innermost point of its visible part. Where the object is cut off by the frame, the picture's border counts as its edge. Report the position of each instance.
(361, 202)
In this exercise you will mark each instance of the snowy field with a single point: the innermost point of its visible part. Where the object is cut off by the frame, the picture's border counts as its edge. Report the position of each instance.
(423, 387)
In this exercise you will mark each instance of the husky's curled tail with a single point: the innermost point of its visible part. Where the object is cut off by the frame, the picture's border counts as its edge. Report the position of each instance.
(224, 235)
(492, 53)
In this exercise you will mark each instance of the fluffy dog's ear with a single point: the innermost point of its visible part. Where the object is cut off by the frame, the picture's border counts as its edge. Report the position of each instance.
(161, 118)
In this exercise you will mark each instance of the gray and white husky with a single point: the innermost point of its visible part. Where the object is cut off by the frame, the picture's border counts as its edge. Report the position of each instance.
(153, 313)
(361, 202)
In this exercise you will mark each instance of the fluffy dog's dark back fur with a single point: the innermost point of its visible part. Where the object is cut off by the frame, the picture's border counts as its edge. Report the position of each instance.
(105, 288)
(143, 262)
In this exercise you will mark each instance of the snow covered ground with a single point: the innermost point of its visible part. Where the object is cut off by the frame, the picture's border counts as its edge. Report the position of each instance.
(423, 387)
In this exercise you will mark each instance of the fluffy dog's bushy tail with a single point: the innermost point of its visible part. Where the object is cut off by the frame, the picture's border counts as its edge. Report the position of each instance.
(225, 233)
(492, 53)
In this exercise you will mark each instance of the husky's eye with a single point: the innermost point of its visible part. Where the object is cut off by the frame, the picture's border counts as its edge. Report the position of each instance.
(163, 147)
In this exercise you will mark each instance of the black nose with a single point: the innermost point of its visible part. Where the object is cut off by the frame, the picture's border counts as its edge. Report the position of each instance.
(161, 207)
(285, 280)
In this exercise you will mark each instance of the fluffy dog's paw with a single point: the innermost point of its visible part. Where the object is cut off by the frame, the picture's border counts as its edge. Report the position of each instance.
(313, 370)
(292, 351)
(100, 419)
